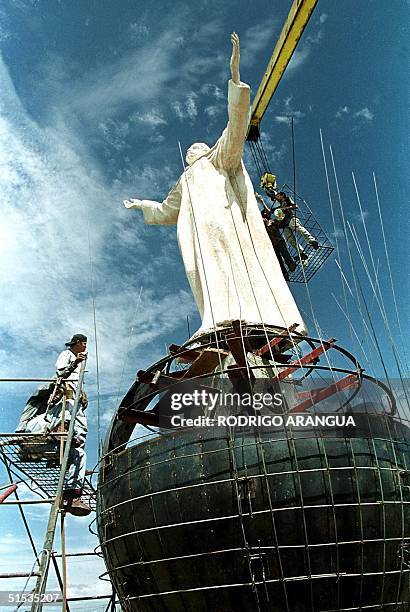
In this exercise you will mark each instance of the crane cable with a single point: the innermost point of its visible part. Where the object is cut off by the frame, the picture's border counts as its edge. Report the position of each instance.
(263, 159)
(312, 310)
(259, 156)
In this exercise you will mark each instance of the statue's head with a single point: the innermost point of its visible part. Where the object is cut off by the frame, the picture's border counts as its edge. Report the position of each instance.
(195, 151)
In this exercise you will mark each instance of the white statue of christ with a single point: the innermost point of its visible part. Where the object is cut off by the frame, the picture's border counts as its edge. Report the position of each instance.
(228, 257)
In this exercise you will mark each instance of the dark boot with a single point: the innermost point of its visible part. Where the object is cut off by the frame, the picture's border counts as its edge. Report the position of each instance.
(78, 507)
(286, 256)
(302, 256)
(72, 503)
(280, 260)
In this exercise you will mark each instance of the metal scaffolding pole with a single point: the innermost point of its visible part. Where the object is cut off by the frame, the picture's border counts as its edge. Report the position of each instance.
(37, 606)
(63, 561)
(60, 580)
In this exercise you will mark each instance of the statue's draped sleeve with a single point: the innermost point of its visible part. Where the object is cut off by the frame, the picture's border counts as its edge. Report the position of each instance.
(228, 150)
(166, 212)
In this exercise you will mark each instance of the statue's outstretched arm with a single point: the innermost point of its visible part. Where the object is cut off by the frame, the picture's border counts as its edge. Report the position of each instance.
(159, 213)
(133, 203)
(235, 58)
(227, 152)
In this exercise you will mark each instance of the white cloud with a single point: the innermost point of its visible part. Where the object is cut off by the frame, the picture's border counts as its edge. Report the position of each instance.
(156, 138)
(283, 119)
(315, 38)
(206, 33)
(214, 109)
(115, 133)
(139, 30)
(186, 109)
(110, 88)
(365, 113)
(298, 59)
(257, 38)
(304, 49)
(51, 189)
(152, 117)
(337, 234)
(288, 112)
(359, 217)
(343, 110)
(213, 90)
(274, 152)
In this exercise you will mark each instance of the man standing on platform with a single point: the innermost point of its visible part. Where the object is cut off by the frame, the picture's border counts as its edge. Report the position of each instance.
(68, 367)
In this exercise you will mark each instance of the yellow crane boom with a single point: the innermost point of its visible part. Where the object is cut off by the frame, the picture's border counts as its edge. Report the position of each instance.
(296, 22)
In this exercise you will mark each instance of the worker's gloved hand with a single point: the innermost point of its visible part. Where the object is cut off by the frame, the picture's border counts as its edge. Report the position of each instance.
(133, 203)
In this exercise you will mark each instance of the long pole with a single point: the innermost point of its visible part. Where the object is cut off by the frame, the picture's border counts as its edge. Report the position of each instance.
(62, 427)
(40, 587)
(60, 582)
(293, 162)
(63, 561)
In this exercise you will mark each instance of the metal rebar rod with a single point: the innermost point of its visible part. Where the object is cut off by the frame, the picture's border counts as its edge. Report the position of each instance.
(28, 502)
(19, 574)
(52, 521)
(212, 553)
(30, 434)
(89, 597)
(27, 379)
(376, 504)
(80, 554)
(302, 578)
(323, 470)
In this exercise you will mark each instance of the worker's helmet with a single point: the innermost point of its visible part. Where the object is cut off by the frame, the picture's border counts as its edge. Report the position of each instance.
(279, 214)
(268, 181)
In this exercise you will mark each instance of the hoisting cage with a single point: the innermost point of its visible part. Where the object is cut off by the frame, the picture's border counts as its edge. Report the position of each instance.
(315, 257)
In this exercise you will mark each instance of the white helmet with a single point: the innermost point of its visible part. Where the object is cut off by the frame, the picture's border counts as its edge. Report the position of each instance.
(279, 214)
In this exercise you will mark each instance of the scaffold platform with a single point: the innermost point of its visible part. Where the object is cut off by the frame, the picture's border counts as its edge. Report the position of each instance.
(37, 457)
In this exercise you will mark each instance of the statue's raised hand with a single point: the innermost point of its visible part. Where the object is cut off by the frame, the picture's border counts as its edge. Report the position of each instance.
(235, 57)
(133, 203)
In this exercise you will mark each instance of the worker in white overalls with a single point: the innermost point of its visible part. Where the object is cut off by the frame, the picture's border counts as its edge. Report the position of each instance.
(68, 367)
(291, 225)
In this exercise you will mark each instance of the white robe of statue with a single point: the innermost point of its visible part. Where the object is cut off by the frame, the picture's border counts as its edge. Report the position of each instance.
(228, 257)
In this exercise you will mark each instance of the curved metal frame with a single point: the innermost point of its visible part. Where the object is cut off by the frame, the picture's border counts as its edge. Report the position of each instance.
(218, 337)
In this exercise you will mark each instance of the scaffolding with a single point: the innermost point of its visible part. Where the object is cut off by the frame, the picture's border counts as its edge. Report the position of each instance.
(40, 461)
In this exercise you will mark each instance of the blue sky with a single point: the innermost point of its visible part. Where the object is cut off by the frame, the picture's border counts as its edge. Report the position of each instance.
(94, 99)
